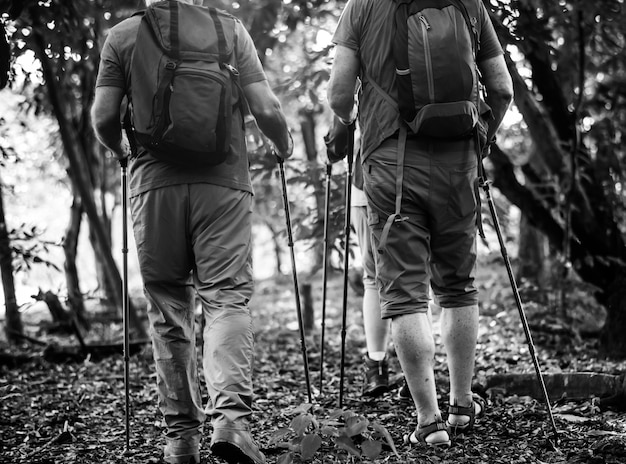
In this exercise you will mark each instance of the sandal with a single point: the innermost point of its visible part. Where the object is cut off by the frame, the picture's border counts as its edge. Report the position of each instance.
(470, 411)
(419, 435)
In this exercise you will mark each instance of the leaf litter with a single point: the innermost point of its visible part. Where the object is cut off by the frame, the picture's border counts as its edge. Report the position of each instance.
(74, 412)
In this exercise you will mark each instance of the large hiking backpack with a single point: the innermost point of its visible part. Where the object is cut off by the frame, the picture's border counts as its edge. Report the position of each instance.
(183, 85)
(434, 49)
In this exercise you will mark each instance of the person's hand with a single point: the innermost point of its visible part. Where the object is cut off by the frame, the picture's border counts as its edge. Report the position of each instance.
(286, 154)
(124, 150)
(337, 141)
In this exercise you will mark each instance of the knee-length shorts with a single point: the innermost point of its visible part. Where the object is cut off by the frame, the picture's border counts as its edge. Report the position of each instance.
(435, 244)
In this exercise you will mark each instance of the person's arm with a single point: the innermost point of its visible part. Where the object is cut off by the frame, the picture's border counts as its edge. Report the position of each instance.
(499, 90)
(343, 78)
(105, 117)
(266, 109)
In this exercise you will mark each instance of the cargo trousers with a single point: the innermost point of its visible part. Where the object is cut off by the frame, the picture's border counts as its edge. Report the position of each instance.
(194, 240)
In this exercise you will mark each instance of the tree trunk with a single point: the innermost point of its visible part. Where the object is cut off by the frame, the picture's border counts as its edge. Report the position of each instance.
(308, 312)
(100, 176)
(77, 159)
(277, 248)
(70, 245)
(533, 255)
(612, 340)
(13, 326)
(308, 126)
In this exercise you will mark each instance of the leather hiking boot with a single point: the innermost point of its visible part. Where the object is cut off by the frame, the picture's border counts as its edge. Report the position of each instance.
(235, 447)
(376, 377)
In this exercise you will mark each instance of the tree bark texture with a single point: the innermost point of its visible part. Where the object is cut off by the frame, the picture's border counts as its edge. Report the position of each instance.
(532, 255)
(13, 324)
(70, 245)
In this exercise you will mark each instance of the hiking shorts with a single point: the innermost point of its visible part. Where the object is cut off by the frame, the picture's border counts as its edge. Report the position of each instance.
(436, 244)
(358, 216)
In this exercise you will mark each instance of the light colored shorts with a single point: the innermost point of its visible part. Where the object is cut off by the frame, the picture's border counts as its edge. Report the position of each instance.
(364, 239)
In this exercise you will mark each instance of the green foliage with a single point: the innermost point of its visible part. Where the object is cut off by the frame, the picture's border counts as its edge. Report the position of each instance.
(339, 432)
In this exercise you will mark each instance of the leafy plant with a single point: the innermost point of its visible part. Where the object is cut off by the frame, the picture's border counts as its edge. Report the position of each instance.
(338, 432)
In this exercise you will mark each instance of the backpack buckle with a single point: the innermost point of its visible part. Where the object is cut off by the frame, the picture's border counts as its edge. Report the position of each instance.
(231, 69)
(171, 65)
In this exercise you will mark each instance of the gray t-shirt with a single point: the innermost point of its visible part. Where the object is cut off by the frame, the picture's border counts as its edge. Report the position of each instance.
(366, 26)
(146, 172)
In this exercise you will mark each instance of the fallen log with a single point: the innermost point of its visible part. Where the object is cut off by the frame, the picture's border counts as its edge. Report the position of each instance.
(70, 353)
(610, 389)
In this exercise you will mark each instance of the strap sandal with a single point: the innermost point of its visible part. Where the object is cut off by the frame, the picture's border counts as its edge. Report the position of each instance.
(420, 435)
(469, 411)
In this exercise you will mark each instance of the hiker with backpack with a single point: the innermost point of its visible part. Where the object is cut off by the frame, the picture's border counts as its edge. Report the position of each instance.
(424, 129)
(190, 73)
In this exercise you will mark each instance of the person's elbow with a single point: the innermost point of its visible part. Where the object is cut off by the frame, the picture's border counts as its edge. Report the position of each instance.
(268, 111)
(505, 91)
(340, 101)
(98, 121)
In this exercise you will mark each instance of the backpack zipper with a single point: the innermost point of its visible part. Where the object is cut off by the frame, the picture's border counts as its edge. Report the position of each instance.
(428, 58)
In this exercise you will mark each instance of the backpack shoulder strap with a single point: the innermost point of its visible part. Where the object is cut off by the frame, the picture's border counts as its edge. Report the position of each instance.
(471, 21)
(221, 38)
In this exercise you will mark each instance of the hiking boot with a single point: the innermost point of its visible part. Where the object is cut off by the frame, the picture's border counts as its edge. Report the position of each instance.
(235, 447)
(376, 377)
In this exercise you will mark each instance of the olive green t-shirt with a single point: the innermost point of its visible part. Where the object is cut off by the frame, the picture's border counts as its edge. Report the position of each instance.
(366, 26)
(146, 172)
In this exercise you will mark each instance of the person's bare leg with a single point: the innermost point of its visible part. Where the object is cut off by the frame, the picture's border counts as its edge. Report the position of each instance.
(459, 332)
(376, 329)
(415, 346)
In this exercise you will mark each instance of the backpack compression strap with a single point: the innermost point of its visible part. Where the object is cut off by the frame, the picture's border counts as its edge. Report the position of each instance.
(396, 216)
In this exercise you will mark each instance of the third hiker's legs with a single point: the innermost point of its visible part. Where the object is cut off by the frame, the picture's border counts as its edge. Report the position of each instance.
(376, 329)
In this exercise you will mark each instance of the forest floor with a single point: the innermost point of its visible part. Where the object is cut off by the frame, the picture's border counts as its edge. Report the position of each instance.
(73, 412)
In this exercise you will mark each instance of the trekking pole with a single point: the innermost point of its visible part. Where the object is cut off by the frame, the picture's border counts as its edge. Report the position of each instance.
(281, 170)
(329, 170)
(125, 298)
(125, 302)
(496, 224)
(346, 258)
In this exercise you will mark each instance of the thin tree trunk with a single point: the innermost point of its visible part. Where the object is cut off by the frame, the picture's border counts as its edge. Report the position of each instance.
(308, 126)
(13, 327)
(277, 249)
(612, 340)
(533, 255)
(70, 245)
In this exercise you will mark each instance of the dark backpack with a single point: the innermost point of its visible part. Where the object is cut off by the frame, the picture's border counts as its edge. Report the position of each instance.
(437, 79)
(183, 85)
